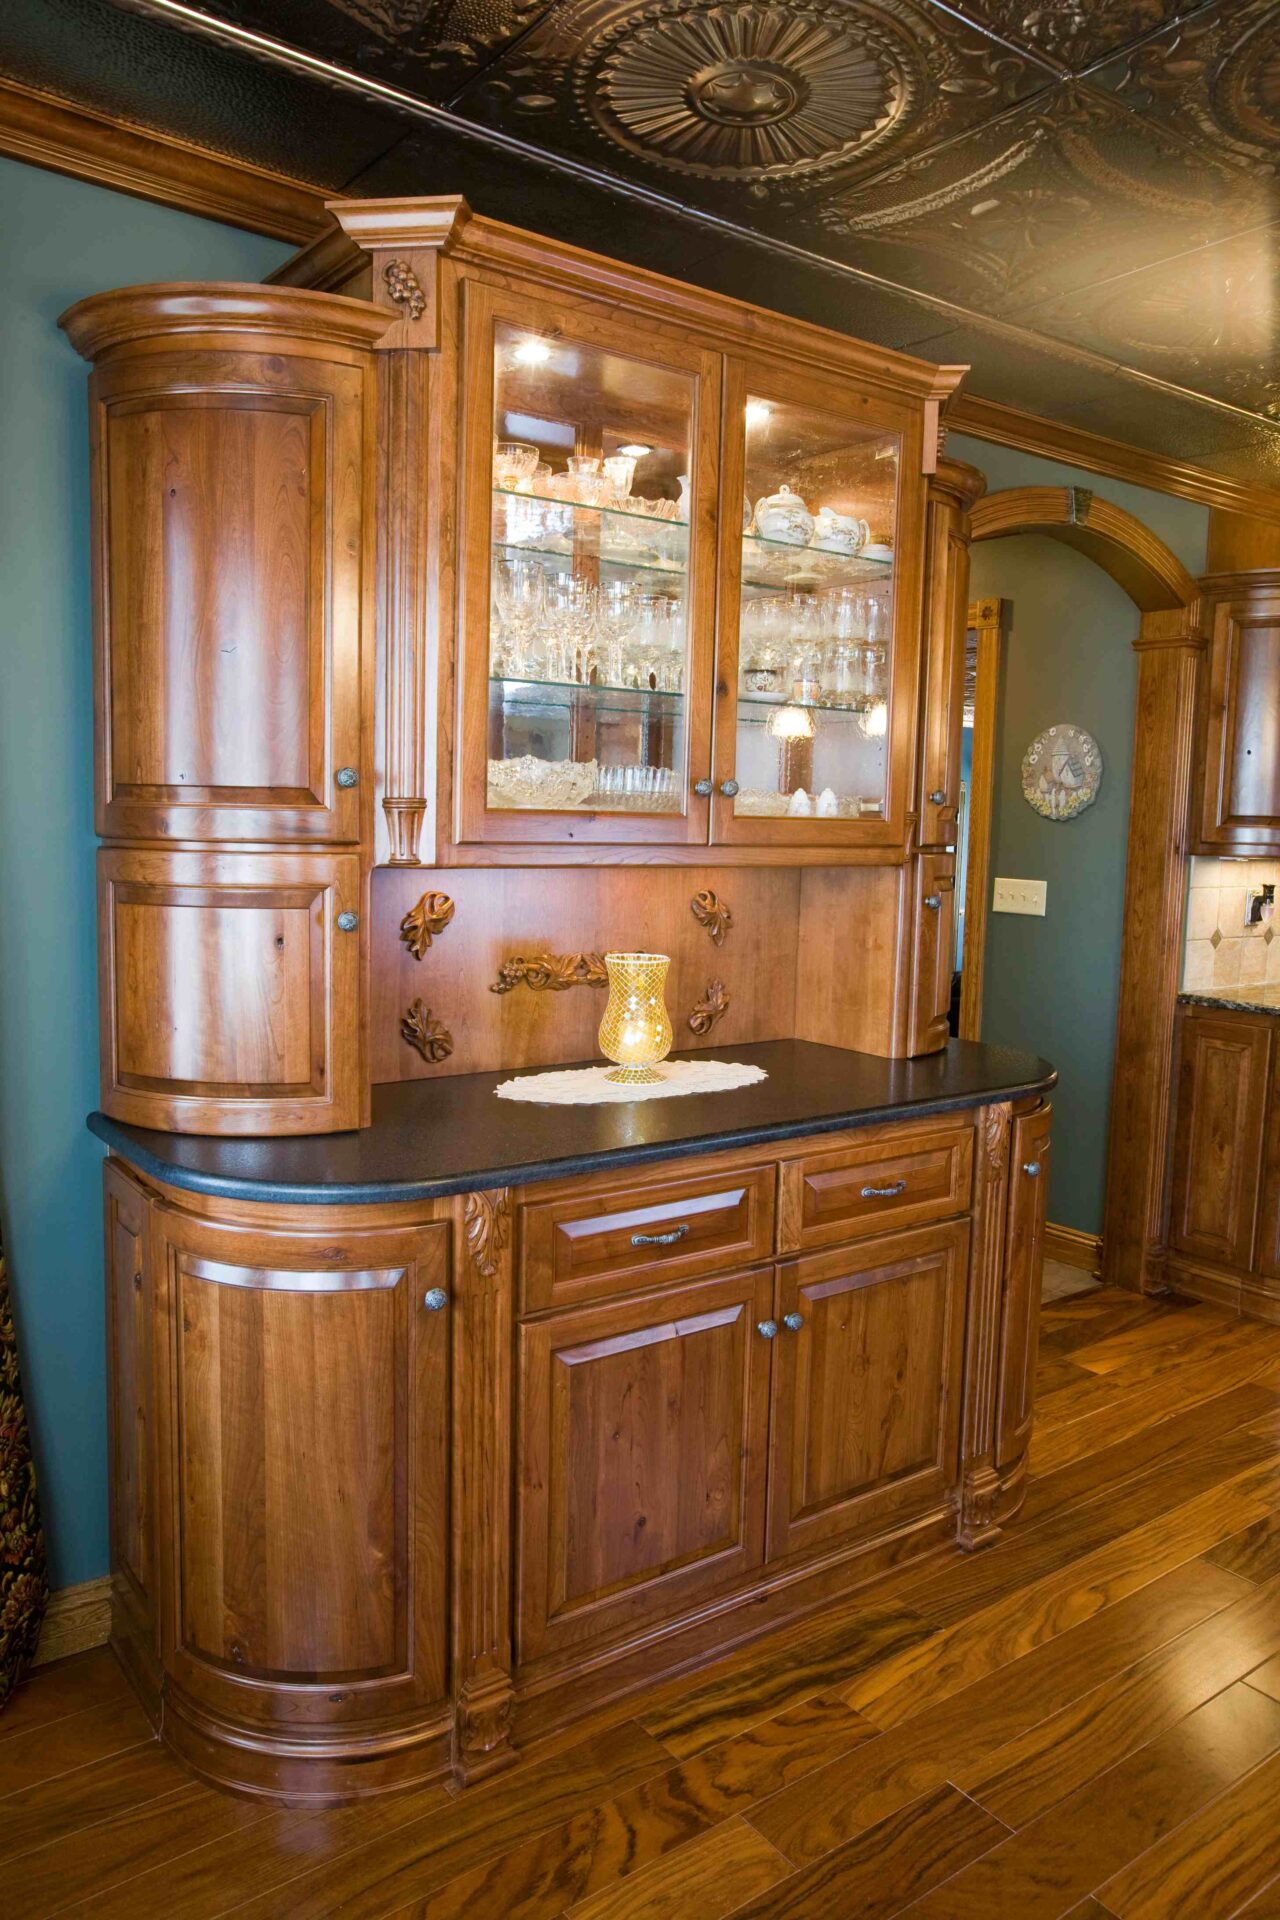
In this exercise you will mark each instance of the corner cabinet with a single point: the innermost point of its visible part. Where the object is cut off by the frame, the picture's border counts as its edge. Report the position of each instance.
(233, 536)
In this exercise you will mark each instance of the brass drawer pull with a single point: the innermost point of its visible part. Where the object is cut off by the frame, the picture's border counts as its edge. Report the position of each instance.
(660, 1239)
(884, 1193)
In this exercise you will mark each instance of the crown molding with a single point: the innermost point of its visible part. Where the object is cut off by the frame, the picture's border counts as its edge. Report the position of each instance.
(1077, 447)
(47, 132)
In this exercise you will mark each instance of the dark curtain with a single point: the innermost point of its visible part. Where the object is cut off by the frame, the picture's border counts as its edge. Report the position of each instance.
(24, 1582)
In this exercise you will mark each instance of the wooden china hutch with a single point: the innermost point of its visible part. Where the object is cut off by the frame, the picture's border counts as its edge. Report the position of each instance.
(469, 606)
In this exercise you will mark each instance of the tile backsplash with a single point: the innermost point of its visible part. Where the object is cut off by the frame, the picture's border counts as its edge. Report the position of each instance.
(1221, 951)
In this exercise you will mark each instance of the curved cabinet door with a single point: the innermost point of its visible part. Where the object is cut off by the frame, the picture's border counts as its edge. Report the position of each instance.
(308, 1485)
(641, 1459)
(229, 990)
(233, 535)
(867, 1388)
(131, 1407)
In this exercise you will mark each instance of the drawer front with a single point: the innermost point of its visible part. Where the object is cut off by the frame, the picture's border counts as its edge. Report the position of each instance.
(851, 1191)
(587, 1245)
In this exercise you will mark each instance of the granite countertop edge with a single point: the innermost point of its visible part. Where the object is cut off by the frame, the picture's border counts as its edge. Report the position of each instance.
(1236, 1000)
(147, 1151)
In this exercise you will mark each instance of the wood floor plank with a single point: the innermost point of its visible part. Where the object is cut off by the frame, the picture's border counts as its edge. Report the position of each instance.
(1212, 1864)
(827, 1654)
(1048, 1867)
(853, 1793)
(1128, 1413)
(76, 1740)
(599, 1845)
(68, 1686)
(1021, 1780)
(1168, 1440)
(1147, 1338)
(989, 1640)
(1264, 1906)
(377, 1877)
(114, 1851)
(54, 1809)
(716, 1875)
(1109, 1397)
(883, 1870)
(1206, 1339)
(1055, 1373)
(1254, 1553)
(1063, 1336)
(1266, 1676)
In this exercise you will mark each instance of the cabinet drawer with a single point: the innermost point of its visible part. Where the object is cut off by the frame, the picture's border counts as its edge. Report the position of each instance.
(851, 1191)
(586, 1245)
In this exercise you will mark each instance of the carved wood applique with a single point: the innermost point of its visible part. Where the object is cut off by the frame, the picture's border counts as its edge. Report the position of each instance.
(425, 1034)
(713, 1006)
(551, 972)
(487, 1217)
(405, 288)
(711, 912)
(425, 922)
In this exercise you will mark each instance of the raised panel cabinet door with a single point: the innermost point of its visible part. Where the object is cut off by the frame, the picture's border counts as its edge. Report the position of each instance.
(952, 491)
(935, 947)
(234, 529)
(641, 1435)
(587, 604)
(308, 1448)
(1240, 805)
(1029, 1154)
(229, 990)
(131, 1400)
(818, 611)
(1266, 1258)
(1223, 1075)
(866, 1388)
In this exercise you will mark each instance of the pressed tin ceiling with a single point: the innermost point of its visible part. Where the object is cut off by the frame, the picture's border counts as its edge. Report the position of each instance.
(1081, 197)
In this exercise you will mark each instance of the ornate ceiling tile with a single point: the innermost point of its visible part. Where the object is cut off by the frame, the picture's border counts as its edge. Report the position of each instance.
(1056, 195)
(1206, 321)
(1074, 33)
(1214, 79)
(767, 98)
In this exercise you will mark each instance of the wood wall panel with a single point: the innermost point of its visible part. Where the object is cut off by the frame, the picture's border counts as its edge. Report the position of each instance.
(851, 987)
(521, 910)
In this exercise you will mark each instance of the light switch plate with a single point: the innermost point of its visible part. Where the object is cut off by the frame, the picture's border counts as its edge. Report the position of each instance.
(1019, 896)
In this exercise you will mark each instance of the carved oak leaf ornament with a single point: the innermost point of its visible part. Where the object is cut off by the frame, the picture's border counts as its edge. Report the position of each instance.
(425, 922)
(425, 1034)
(713, 1006)
(551, 972)
(710, 911)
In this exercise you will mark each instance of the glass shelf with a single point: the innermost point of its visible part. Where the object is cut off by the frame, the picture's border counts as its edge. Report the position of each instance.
(543, 527)
(616, 562)
(525, 692)
(776, 565)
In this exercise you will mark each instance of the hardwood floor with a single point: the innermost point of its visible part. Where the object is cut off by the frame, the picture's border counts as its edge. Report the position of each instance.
(1083, 1721)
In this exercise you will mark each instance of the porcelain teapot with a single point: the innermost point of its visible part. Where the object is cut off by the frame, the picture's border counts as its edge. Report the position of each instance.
(839, 532)
(784, 516)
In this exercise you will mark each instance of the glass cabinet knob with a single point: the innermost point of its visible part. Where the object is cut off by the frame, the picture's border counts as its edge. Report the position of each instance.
(767, 1329)
(434, 1299)
(937, 797)
(793, 1322)
(347, 776)
(728, 788)
(702, 787)
(1031, 1168)
(348, 921)
(933, 900)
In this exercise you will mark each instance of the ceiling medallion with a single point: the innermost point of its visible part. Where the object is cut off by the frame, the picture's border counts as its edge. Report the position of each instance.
(749, 92)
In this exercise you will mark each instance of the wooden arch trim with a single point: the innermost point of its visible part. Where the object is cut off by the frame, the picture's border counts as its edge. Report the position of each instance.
(1136, 559)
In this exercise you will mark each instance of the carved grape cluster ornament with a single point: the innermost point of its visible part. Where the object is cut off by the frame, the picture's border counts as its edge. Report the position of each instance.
(1061, 772)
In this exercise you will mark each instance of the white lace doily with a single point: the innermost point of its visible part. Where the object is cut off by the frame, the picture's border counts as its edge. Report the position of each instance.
(591, 1086)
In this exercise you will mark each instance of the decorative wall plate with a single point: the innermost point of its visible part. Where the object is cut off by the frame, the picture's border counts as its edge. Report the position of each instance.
(1061, 772)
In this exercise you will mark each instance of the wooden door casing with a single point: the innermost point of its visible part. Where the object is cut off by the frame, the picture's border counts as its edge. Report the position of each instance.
(865, 1428)
(131, 1400)
(229, 991)
(641, 1435)
(1240, 788)
(307, 1463)
(233, 537)
(780, 382)
(1029, 1161)
(475, 823)
(1224, 1074)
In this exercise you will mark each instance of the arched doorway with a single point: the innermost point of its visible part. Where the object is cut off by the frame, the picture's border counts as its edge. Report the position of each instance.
(1169, 644)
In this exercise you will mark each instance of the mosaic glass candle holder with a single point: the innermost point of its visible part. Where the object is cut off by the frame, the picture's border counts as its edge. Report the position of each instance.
(635, 1032)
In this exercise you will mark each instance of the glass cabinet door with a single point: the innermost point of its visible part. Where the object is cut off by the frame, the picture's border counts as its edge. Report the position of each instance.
(587, 681)
(820, 565)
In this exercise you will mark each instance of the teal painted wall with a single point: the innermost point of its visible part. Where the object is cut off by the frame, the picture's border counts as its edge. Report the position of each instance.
(61, 240)
(1051, 985)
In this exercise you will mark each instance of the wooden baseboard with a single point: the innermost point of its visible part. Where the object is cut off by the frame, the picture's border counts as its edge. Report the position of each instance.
(77, 1618)
(1073, 1248)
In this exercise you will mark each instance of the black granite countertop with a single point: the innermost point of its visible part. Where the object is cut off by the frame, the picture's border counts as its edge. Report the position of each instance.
(1236, 999)
(434, 1137)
